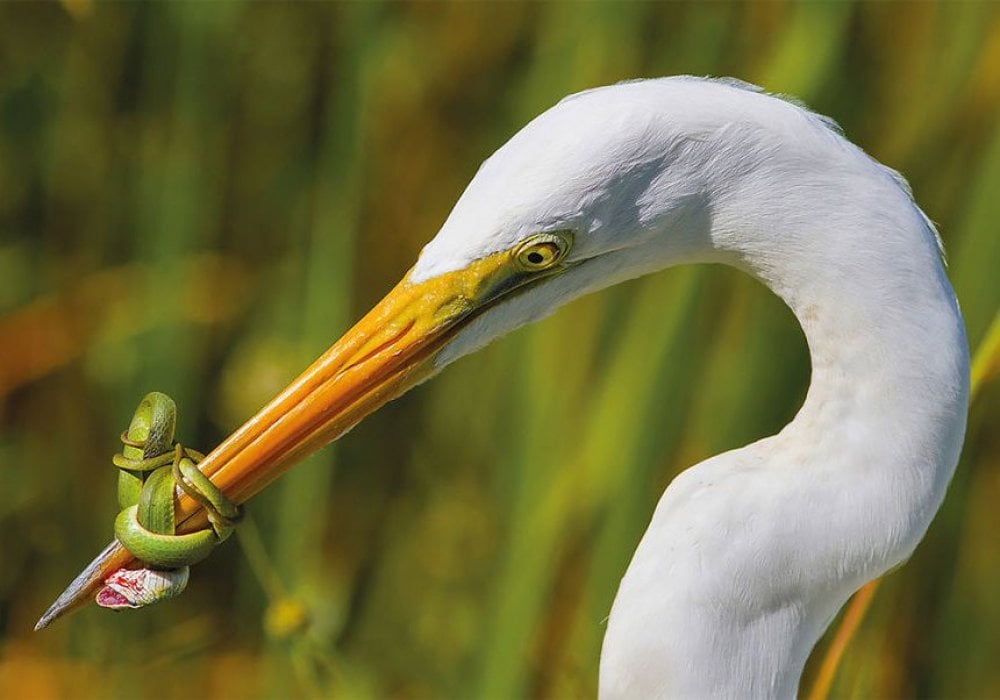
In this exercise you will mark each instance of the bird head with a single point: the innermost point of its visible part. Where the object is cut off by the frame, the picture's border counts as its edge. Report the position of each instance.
(600, 188)
(606, 185)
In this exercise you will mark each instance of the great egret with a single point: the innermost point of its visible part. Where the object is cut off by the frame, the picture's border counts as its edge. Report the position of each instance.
(749, 554)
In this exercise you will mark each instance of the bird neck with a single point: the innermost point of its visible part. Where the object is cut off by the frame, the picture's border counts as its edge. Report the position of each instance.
(879, 433)
(751, 553)
(889, 358)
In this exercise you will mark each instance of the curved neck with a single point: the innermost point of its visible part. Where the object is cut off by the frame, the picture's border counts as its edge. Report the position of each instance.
(879, 434)
(750, 554)
(887, 345)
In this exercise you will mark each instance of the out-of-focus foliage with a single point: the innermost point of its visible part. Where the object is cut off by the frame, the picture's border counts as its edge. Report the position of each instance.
(199, 197)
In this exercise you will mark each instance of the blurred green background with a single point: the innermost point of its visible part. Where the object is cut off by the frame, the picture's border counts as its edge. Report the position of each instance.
(199, 197)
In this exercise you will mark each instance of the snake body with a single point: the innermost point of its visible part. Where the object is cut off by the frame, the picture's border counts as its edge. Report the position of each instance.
(150, 466)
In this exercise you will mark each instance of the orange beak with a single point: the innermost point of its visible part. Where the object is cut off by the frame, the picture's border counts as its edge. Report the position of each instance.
(390, 350)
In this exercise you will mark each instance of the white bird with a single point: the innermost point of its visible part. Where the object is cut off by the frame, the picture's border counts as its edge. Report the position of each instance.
(751, 553)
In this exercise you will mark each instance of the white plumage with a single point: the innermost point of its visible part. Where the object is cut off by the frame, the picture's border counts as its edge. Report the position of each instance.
(749, 554)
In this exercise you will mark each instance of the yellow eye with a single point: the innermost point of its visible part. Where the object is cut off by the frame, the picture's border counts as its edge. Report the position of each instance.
(542, 251)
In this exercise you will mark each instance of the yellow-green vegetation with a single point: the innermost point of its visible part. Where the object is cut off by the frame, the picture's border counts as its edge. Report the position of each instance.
(199, 197)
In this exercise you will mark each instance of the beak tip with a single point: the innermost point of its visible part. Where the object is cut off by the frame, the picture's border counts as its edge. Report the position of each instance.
(54, 611)
(86, 584)
(46, 619)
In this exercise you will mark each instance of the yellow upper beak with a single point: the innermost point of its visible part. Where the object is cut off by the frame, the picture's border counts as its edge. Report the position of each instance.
(390, 350)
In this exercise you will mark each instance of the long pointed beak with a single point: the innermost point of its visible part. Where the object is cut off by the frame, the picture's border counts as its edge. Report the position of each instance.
(390, 350)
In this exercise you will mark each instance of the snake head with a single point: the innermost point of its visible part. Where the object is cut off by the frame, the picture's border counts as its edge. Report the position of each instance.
(137, 588)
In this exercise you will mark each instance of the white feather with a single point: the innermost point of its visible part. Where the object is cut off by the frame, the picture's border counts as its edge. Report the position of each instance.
(749, 554)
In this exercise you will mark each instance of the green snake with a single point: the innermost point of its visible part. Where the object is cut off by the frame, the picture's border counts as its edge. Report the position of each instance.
(150, 466)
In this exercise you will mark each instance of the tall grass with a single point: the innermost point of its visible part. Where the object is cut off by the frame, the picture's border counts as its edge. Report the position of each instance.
(199, 198)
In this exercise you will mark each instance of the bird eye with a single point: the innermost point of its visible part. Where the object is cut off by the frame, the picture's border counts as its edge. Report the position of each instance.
(542, 251)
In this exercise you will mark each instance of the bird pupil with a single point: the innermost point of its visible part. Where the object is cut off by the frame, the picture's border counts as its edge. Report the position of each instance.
(535, 258)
